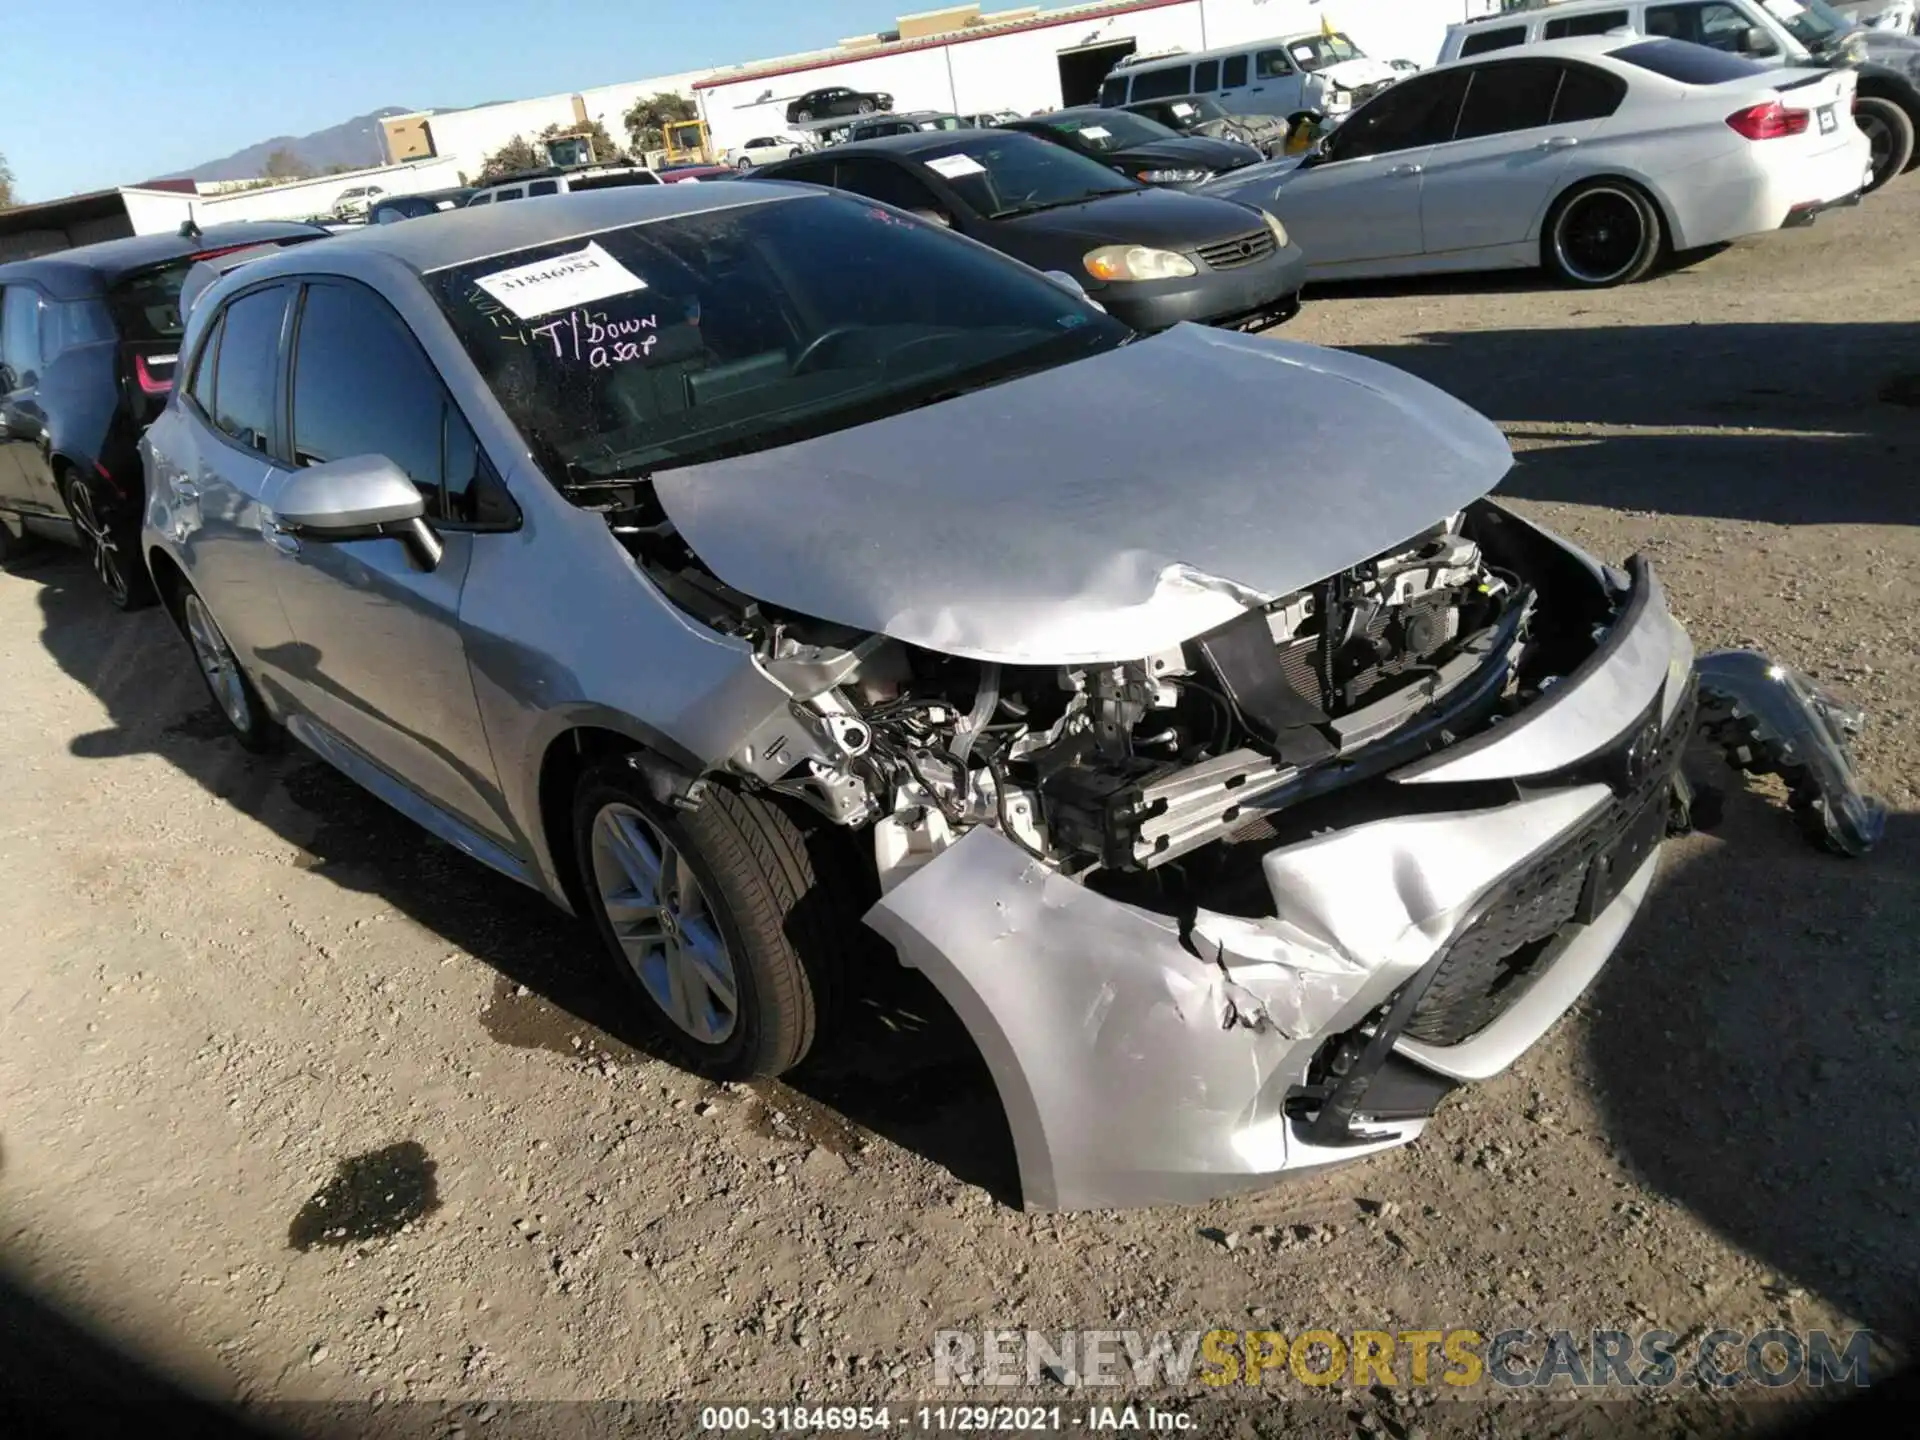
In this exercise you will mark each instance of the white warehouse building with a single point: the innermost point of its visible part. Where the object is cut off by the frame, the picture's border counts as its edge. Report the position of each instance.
(969, 62)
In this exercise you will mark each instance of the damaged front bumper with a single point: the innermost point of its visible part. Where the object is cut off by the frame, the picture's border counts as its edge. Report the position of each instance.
(1143, 1062)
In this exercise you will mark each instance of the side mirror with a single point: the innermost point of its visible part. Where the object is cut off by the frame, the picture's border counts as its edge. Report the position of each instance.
(1755, 41)
(934, 217)
(1066, 282)
(364, 497)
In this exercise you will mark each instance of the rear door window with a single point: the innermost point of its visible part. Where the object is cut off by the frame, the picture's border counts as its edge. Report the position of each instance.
(20, 335)
(1586, 94)
(544, 187)
(248, 367)
(1114, 91)
(1233, 72)
(1507, 96)
(1206, 76)
(200, 387)
(1597, 24)
(879, 180)
(1480, 42)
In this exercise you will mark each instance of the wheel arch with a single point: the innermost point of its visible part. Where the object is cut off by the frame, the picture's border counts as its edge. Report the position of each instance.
(569, 755)
(169, 582)
(1671, 235)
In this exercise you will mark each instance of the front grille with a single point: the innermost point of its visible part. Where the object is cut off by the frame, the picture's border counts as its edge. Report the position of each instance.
(1488, 965)
(1242, 250)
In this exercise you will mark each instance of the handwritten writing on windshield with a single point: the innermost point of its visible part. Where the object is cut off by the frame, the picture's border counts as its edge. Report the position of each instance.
(602, 343)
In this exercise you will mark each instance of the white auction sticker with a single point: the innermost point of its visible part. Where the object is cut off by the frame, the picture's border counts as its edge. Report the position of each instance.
(954, 166)
(565, 280)
(1096, 132)
(1181, 107)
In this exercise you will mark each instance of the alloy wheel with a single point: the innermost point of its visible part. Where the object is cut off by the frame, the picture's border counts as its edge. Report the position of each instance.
(108, 563)
(1879, 138)
(1599, 236)
(217, 663)
(667, 931)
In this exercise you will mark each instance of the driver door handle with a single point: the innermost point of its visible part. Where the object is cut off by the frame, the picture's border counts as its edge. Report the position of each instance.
(1560, 142)
(1406, 170)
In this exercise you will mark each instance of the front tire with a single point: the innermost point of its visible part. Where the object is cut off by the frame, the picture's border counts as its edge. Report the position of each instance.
(1602, 233)
(110, 543)
(802, 117)
(866, 107)
(713, 918)
(233, 693)
(1889, 132)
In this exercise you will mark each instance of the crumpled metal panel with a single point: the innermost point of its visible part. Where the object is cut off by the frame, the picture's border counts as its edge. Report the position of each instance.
(1098, 511)
(1136, 1071)
(1772, 719)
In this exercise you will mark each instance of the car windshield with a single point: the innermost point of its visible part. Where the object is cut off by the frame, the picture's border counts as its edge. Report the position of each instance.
(1189, 111)
(1105, 131)
(1813, 23)
(692, 338)
(1002, 173)
(1316, 52)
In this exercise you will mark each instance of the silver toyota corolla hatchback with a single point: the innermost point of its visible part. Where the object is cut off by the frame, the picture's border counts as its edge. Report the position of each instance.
(741, 565)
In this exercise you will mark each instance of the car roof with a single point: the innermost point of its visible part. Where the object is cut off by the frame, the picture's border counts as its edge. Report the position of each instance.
(1573, 47)
(1218, 52)
(1072, 112)
(907, 145)
(457, 237)
(88, 270)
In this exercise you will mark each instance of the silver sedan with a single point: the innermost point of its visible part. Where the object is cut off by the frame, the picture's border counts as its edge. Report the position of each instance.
(739, 563)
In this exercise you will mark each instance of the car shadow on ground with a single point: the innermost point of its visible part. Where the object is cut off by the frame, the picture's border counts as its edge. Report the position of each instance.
(1755, 1053)
(1729, 421)
(902, 1066)
(1484, 282)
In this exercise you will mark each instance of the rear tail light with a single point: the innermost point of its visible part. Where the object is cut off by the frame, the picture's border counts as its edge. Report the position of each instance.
(150, 383)
(1770, 121)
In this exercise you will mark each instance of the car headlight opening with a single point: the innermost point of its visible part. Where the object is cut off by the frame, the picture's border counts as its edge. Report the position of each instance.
(1136, 262)
(1279, 230)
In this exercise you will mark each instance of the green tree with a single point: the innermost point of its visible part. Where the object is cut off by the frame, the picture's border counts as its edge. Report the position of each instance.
(648, 117)
(517, 154)
(7, 200)
(285, 165)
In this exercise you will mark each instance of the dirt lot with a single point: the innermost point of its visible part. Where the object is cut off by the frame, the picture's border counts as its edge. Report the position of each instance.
(244, 1006)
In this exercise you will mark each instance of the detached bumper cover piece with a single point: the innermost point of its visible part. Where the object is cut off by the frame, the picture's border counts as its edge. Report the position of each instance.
(1772, 720)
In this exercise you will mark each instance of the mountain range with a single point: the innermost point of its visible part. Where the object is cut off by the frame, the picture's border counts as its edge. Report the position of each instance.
(352, 143)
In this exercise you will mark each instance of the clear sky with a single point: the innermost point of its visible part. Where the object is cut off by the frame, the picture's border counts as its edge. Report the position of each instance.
(96, 93)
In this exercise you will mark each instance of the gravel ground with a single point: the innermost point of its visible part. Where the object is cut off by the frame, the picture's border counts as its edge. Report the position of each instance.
(297, 1104)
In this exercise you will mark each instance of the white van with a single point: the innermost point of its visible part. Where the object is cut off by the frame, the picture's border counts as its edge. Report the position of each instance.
(1315, 71)
(1886, 106)
(1762, 29)
(557, 182)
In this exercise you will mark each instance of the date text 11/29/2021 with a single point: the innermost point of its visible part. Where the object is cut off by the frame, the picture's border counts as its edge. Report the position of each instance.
(943, 1419)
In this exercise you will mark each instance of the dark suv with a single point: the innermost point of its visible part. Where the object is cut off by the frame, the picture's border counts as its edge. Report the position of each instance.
(88, 342)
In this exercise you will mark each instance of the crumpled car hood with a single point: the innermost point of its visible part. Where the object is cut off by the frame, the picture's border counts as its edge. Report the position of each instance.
(1362, 70)
(1096, 512)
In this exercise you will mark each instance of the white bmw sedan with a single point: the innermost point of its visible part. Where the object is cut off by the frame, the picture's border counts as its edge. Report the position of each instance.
(1589, 156)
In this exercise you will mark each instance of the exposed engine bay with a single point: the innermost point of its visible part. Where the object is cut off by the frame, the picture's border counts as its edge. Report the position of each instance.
(1126, 768)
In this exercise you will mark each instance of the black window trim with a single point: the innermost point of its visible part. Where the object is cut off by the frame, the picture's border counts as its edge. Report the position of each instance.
(291, 349)
(216, 327)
